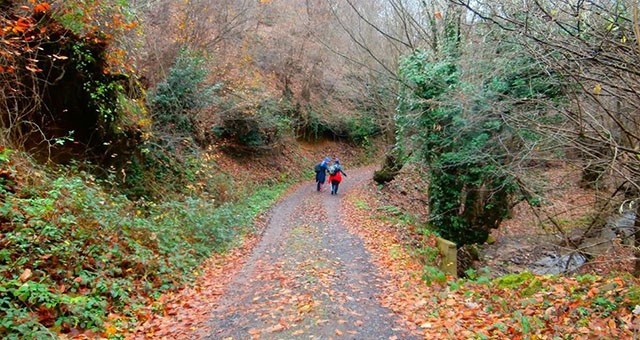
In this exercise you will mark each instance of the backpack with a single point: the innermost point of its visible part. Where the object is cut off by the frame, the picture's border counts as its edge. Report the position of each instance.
(318, 167)
(333, 169)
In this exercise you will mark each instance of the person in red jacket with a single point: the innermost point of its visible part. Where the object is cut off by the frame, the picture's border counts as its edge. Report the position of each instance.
(335, 176)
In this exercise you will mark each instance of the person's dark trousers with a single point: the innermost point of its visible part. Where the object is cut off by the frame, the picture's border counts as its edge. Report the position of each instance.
(334, 187)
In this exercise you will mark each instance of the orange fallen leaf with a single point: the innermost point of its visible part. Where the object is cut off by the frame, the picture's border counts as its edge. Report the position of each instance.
(584, 330)
(619, 281)
(40, 8)
(338, 332)
(26, 274)
(109, 330)
(275, 328)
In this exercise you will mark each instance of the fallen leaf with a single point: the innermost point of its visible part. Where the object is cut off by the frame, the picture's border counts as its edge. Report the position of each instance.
(109, 330)
(305, 308)
(26, 274)
(584, 330)
(40, 8)
(597, 89)
(275, 328)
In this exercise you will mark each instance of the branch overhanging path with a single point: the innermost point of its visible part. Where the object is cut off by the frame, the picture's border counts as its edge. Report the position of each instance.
(308, 277)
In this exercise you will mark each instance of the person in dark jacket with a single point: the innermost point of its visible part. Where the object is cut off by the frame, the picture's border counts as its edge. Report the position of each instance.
(321, 173)
(335, 176)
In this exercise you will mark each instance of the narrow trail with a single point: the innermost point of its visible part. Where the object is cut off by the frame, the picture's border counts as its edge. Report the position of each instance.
(308, 278)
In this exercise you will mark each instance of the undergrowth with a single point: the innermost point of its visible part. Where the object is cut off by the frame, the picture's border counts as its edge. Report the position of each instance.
(73, 254)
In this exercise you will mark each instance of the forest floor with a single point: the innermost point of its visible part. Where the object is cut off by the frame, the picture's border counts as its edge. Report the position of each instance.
(342, 267)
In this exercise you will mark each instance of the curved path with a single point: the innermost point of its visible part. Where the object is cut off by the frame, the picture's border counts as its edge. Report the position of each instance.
(308, 278)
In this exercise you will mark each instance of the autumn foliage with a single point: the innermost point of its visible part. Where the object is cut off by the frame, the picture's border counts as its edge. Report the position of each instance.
(57, 82)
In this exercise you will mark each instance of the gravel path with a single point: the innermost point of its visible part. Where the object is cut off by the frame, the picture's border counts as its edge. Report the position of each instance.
(308, 278)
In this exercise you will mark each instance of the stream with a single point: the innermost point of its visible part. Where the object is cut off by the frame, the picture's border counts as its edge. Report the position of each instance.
(557, 262)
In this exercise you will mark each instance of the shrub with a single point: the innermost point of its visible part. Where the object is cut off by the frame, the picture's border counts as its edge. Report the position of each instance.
(362, 128)
(176, 101)
(71, 252)
(259, 127)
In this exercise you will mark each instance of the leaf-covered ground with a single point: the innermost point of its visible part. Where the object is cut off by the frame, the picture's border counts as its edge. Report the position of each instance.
(348, 266)
(513, 306)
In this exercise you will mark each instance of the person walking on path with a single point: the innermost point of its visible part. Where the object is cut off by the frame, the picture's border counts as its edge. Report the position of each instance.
(321, 172)
(335, 176)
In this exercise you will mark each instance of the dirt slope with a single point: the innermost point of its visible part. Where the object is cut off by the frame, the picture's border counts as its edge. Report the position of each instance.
(308, 277)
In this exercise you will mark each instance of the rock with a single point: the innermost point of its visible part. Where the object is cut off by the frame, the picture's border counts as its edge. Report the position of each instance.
(608, 287)
(551, 311)
(471, 305)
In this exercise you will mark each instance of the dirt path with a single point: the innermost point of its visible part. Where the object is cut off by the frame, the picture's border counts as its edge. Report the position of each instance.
(308, 277)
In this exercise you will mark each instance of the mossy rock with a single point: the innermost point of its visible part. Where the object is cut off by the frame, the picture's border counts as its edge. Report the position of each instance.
(534, 286)
(390, 169)
(512, 281)
(384, 176)
(632, 297)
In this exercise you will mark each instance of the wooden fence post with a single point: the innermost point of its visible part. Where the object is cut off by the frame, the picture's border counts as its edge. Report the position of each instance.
(449, 252)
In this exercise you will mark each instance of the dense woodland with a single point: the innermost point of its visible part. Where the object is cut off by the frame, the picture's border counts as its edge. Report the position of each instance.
(123, 124)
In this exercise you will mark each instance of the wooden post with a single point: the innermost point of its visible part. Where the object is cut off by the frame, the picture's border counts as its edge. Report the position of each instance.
(449, 252)
(636, 232)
